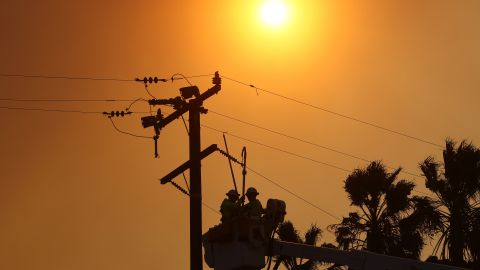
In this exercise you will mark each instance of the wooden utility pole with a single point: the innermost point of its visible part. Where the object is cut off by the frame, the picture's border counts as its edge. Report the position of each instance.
(196, 261)
(194, 108)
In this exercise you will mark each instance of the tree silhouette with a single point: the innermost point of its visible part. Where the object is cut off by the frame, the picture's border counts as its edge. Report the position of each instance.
(390, 220)
(287, 232)
(457, 189)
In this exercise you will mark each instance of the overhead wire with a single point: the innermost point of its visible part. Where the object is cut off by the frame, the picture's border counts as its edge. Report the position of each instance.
(91, 78)
(205, 126)
(49, 110)
(293, 194)
(66, 77)
(298, 101)
(239, 137)
(188, 81)
(302, 140)
(275, 148)
(133, 101)
(127, 133)
(286, 152)
(195, 76)
(66, 100)
(61, 110)
(242, 83)
(224, 153)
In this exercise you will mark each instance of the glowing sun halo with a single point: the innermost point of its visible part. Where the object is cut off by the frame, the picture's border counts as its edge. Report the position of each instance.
(274, 13)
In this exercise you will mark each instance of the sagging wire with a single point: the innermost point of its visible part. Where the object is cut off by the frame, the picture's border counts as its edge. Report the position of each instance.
(135, 101)
(146, 89)
(183, 77)
(126, 133)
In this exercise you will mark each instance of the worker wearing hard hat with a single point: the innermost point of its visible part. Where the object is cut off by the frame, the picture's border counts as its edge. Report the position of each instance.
(230, 206)
(254, 207)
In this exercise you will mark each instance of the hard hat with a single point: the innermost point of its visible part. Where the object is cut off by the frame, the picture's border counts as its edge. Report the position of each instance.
(252, 190)
(232, 192)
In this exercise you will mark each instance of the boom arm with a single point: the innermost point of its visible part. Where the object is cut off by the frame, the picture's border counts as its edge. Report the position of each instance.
(355, 259)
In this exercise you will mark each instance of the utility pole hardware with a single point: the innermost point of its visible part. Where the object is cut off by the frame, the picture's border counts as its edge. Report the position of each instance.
(190, 101)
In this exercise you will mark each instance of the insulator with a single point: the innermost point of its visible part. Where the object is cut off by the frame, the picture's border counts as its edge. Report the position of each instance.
(150, 79)
(117, 113)
(122, 113)
(112, 114)
(155, 80)
(145, 80)
(217, 79)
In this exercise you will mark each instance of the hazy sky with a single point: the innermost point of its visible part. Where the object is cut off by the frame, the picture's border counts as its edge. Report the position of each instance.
(76, 194)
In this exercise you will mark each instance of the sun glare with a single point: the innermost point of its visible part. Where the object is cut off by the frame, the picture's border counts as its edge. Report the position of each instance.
(274, 12)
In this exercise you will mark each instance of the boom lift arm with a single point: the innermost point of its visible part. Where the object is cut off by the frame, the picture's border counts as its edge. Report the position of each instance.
(355, 259)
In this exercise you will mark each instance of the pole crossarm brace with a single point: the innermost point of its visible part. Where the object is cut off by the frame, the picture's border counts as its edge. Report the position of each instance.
(185, 166)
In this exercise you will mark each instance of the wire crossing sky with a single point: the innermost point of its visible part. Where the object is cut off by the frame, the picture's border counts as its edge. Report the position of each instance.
(233, 80)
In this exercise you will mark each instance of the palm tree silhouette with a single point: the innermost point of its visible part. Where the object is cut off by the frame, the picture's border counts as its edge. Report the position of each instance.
(390, 220)
(457, 190)
(287, 232)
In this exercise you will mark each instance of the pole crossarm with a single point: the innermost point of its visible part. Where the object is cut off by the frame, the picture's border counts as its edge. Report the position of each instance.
(176, 114)
(185, 166)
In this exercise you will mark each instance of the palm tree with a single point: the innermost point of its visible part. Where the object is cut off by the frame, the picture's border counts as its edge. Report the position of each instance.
(457, 188)
(287, 232)
(390, 220)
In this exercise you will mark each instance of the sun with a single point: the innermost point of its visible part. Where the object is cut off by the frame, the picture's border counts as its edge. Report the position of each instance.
(274, 12)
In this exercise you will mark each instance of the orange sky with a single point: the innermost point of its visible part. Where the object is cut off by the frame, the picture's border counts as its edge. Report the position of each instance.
(76, 194)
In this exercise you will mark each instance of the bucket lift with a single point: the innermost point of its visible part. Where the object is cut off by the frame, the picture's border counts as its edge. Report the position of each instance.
(243, 244)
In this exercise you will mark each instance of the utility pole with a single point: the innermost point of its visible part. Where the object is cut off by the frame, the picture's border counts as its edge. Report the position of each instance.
(196, 261)
(194, 108)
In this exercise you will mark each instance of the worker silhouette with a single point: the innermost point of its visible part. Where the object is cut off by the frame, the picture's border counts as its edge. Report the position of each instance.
(253, 208)
(230, 206)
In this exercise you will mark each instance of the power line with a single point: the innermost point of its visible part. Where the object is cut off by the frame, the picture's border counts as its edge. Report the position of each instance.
(96, 78)
(239, 82)
(66, 77)
(214, 112)
(239, 137)
(303, 140)
(292, 153)
(127, 133)
(59, 110)
(335, 113)
(211, 208)
(280, 186)
(278, 149)
(294, 194)
(65, 100)
(50, 110)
